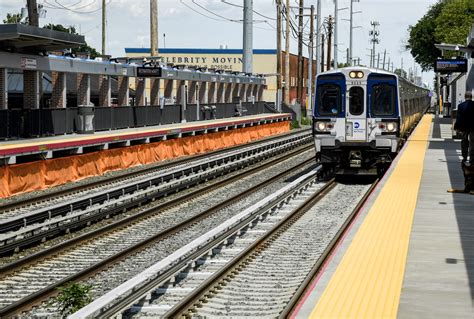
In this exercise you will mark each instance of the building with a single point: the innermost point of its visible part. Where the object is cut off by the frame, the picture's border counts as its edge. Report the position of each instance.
(264, 62)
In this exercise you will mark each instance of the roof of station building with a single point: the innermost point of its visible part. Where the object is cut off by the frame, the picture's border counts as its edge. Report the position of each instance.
(198, 51)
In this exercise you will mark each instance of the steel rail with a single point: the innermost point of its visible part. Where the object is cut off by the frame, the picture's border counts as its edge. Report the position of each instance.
(315, 270)
(58, 226)
(89, 185)
(187, 303)
(49, 291)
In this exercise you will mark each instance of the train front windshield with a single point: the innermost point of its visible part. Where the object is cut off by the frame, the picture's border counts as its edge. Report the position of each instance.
(329, 95)
(382, 90)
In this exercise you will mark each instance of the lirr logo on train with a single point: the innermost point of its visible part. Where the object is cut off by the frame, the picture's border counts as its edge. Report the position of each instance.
(356, 124)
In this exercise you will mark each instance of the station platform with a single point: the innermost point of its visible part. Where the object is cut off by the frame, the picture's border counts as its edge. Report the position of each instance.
(410, 251)
(40, 163)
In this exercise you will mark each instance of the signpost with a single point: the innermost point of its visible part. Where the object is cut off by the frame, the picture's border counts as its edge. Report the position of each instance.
(148, 72)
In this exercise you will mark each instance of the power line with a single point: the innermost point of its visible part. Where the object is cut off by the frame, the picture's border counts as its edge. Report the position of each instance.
(254, 11)
(217, 15)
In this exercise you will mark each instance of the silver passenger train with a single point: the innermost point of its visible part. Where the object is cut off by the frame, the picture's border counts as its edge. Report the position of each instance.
(361, 116)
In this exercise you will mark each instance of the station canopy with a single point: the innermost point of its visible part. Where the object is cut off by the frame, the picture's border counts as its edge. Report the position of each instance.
(26, 38)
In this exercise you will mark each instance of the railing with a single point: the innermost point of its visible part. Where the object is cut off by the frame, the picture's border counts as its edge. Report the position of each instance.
(19, 123)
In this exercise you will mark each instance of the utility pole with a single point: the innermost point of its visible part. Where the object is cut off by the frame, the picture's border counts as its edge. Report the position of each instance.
(374, 34)
(336, 9)
(278, 3)
(300, 55)
(310, 62)
(248, 36)
(384, 55)
(330, 25)
(318, 37)
(351, 15)
(378, 60)
(322, 53)
(33, 18)
(287, 55)
(154, 27)
(103, 26)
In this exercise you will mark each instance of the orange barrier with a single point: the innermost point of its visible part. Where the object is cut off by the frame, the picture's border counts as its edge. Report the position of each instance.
(22, 178)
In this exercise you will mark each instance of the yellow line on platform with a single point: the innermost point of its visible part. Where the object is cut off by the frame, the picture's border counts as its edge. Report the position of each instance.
(368, 281)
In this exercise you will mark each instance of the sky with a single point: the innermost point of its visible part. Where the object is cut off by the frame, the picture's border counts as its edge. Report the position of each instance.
(187, 25)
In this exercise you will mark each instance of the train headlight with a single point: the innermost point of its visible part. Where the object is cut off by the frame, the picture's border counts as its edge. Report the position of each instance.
(321, 126)
(360, 74)
(388, 127)
(391, 127)
(352, 74)
(325, 127)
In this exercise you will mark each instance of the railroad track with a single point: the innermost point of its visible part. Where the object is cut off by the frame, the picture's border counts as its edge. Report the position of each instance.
(27, 282)
(202, 284)
(52, 196)
(65, 213)
(269, 277)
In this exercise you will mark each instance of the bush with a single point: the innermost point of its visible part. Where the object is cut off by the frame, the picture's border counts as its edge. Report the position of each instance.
(305, 121)
(295, 124)
(72, 297)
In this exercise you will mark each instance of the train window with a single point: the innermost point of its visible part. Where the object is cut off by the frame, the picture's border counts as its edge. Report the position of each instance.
(383, 100)
(356, 100)
(329, 99)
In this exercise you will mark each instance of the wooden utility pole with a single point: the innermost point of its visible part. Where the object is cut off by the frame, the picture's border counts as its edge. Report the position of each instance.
(153, 27)
(103, 26)
(33, 19)
(278, 3)
(310, 62)
(322, 53)
(330, 25)
(299, 93)
(287, 54)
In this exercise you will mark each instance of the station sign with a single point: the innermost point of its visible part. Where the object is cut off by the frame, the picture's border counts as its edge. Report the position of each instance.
(451, 66)
(144, 72)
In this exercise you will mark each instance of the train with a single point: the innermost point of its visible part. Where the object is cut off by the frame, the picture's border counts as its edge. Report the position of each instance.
(361, 116)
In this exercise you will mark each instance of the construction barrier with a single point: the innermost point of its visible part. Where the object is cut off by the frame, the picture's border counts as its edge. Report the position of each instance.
(34, 176)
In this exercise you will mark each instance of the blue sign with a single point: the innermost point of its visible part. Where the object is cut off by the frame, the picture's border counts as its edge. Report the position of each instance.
(356, 124)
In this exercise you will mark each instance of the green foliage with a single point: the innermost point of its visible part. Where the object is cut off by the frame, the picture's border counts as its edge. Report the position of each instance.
(454, 21)
(12, 18)
(401, 73)
(73, 297)
(447, 21)
(295, 124)
(83, 48)
(305, 121)
(422, 38)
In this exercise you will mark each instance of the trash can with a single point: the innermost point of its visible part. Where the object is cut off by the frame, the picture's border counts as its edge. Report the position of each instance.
(85, 119)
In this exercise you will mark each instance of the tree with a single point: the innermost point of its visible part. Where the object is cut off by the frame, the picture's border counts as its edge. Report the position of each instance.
(422, 38)
(447, 21)
(455, 21)
(83, 48)
(12, 18)
(401, 73)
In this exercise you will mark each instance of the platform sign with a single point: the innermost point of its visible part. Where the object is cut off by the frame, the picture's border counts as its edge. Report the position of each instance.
(451, 66)
(144, 72)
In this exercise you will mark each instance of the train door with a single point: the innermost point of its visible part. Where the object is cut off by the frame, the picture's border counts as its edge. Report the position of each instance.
(356, 116)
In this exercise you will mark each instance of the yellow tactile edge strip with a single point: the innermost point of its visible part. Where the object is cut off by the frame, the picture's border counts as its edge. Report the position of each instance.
(367, 283)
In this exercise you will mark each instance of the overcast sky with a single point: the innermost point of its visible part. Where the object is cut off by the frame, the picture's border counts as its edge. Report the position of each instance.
(128, 24)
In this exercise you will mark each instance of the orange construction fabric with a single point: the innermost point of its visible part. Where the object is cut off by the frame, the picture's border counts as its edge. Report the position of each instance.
(21, 178)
